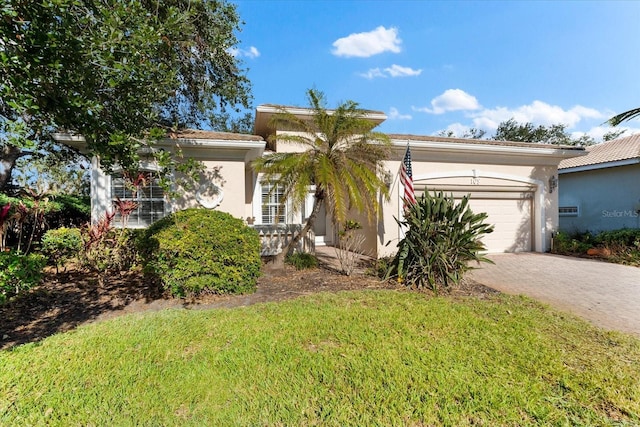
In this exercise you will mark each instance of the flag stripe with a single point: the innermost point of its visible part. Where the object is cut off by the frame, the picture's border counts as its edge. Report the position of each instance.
(406, 179)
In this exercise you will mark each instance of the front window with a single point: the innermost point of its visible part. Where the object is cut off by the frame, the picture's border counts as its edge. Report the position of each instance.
(273, 206)
(148, 196)
(569, 211)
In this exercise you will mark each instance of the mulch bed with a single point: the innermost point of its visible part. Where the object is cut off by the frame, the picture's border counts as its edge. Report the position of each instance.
(68, 299)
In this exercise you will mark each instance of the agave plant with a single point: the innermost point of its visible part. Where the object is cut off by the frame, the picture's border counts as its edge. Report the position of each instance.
(441, 239)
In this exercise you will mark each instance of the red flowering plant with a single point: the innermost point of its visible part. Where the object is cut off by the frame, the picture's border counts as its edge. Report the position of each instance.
(34, 215)
(124, 208)
(134, 180)
(4, 225)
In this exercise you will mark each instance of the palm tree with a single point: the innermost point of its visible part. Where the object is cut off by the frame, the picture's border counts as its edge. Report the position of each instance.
(343, 158)
(627, 115)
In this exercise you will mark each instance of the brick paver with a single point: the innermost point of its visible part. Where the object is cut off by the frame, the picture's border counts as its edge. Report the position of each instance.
(607, 295)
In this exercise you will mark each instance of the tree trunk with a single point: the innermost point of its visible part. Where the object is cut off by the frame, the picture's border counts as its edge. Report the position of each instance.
(317, 204)
(8, 157)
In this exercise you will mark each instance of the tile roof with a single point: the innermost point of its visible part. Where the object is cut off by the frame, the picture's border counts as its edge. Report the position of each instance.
(207, 134)
(606, 152)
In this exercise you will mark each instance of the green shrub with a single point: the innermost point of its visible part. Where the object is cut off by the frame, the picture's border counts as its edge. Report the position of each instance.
(199, 250)
(32, 214)
(626, 237)
(302, 260)
(61, 245)
(109, 249)
(69, 211)
(380, 267)
(442, 237)
(578, 243)
(18, 273)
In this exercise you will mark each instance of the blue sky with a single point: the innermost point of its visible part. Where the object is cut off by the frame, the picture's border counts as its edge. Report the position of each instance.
(433, 66)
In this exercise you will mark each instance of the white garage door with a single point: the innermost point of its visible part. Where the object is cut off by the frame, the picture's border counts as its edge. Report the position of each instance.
(510, 212)
(511, 218)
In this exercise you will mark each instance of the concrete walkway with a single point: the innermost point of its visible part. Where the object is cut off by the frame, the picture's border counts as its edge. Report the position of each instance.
(607, 295)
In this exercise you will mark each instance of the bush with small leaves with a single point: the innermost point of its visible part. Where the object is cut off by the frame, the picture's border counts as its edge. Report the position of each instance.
(19, 273)
(302, 260)
(567, 244)
(108, 249)
(442, 237)
(200, 250)
(61, 244)
(624, 237)
(380, 267)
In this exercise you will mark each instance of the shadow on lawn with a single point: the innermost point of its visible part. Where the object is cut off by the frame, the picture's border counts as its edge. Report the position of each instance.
(65, 300)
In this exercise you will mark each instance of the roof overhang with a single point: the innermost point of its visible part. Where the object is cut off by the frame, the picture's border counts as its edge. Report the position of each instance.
(597, 166)
(72, 140)
(264, 114)
(249, 148)
(489, 151)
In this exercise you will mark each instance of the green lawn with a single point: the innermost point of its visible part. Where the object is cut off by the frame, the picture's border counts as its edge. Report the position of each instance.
(355, 358)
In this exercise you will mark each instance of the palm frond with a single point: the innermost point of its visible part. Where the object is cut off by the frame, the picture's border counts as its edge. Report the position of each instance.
(622, 117)
(343, 158)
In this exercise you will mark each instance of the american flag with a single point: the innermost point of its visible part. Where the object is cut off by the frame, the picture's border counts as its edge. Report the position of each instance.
(406, 179)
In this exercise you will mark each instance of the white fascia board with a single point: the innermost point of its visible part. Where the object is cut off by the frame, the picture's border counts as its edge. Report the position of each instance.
(214, 143)
(72, 140)
(307, 112)
(479, 148)
(596, 166)
(79, 141)
(68, 137)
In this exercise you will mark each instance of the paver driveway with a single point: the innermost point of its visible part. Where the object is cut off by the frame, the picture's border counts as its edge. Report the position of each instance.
(608, 295)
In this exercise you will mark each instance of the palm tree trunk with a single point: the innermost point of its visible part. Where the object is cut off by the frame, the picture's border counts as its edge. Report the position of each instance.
(318, 200)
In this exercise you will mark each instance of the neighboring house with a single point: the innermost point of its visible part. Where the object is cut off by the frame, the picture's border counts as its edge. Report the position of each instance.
(601, 191)
(513, 182)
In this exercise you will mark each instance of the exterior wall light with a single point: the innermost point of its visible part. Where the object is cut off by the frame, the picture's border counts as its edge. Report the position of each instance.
(553, 183)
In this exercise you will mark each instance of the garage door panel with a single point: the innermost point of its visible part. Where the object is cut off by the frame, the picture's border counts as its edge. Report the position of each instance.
(510, 212)
(512, 221)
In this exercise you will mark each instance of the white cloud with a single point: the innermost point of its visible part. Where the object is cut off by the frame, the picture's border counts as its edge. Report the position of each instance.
(364, 45)
(457, 130)
(537, 112)
(394, 114)
(400, 71)
(451, 100)
(373, 73)
(251, 53)
(393, 71)
(598, 132)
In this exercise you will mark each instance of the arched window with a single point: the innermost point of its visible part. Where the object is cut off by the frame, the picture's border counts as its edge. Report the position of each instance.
(148, 196)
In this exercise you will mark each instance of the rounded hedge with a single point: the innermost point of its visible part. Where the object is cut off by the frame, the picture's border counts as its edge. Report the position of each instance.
(200, 250)
(61, 244)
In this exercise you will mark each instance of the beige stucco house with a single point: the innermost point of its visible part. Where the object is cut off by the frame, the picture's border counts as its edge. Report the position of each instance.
(515, 183)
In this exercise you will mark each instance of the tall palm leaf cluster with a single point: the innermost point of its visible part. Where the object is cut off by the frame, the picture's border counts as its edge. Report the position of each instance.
(342, 157)
(622, 117)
